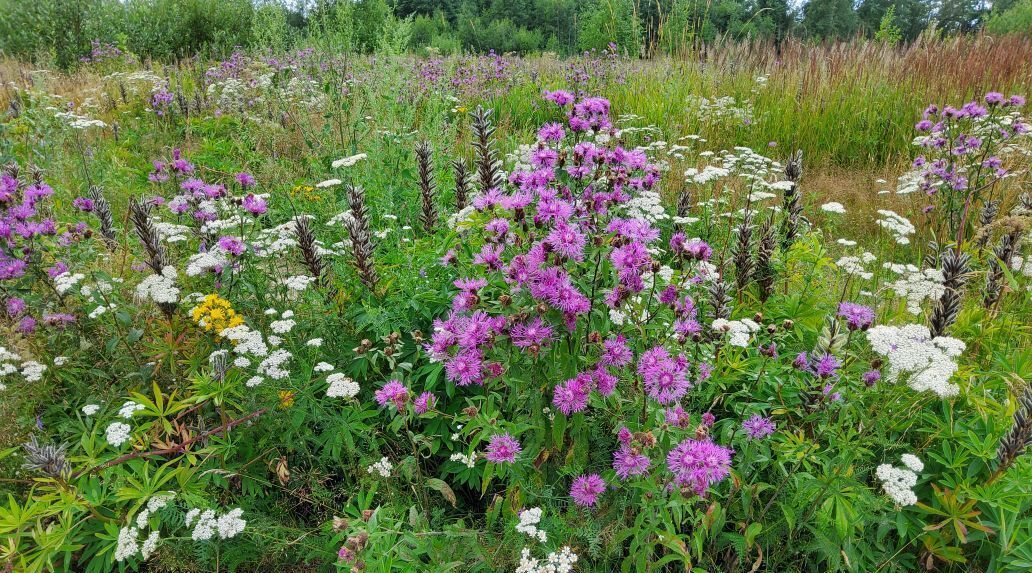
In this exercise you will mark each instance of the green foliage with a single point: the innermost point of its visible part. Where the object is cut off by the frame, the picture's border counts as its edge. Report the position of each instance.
(888, 32)
(297, 461)
(1017, 19)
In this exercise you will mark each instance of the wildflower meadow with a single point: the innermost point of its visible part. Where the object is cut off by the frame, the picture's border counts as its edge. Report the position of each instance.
(312, 310)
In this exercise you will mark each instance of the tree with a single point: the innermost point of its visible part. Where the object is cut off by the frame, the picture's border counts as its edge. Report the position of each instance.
(961, 16)
(830, 19)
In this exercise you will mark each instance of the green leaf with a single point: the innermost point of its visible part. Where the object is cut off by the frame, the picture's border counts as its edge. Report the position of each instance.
(751, 532)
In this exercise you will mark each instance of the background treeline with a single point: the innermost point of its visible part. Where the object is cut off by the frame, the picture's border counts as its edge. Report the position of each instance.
(61, 31)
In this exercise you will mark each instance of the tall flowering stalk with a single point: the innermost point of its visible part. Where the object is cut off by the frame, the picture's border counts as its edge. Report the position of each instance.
(306, 243)
(742, 254)
(765, 273)
(147, 233)
(427, 186)
(462, 183)
(102, 209)
(1002, 255)
(720, 300)
(1019, 437)
(955, 266)
(793, 203)
(361, 239)
(489, 166)
(157, 257)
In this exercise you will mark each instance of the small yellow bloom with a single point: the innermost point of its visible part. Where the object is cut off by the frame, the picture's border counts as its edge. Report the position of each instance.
(286, 399)
(215, 314)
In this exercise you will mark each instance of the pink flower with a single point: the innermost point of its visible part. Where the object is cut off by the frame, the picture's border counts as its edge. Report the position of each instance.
(502, 448)
(424, 403)
(699, 464)
(394, 392)
(572, 396)
(586, 489)
(629, 462)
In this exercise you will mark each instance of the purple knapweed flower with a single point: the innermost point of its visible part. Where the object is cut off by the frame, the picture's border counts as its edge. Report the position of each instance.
(586, 489)
(393, 392)
(502, 448)
(698, 464)
(424, 403)
(628, 461)
(857, 316)
(757, 427)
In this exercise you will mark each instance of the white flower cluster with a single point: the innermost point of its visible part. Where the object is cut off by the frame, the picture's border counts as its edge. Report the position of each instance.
(297, 283)
(899, 483)
(90, 409)
(556, 562)
(32, 370)
(708, 174)
(341, 386)
(348, 161)
(6, 366)
(834, 207)
(76, 121)
(739, 331)
(66, 280)
(246, 341)
(721, 108)
(128, 537)
(1023, 265)
(117, 433)
(467, 460)
(129, 408)
(646, 205)
(856, 265)
(910, 350)
(272, 366)
(202, 262)
(382, 467)
(916, 285)
(209, 523)
(529, 520)
(898, 225)
(128, 543)
(159, 288)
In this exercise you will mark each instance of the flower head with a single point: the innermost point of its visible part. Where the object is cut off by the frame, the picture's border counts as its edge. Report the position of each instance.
(698, 464)
(757, 427)
(393, 392)
(586, 489)
(502, 448)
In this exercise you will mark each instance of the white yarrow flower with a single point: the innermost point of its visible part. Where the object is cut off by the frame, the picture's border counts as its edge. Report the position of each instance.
(117, 433)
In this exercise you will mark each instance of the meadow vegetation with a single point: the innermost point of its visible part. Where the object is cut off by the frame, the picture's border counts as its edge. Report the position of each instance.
(755, 309)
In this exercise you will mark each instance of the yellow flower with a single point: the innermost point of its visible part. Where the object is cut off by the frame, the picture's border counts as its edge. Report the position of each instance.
(215, 314)
(286, 399)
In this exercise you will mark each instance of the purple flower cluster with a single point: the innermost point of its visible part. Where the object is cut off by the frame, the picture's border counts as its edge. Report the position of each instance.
(424, 403)
(665, 377)
(698, 464)
(857, 316)
(627, 459)
(961, 142)
(393, 392)
(586, 489)
(502, 448)
(757, 427)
